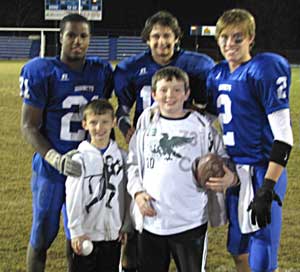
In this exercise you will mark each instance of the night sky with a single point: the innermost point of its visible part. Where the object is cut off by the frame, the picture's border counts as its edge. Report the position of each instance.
(278, 22)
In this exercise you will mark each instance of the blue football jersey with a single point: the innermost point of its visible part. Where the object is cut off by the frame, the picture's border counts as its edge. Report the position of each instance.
(132, 78)
(243, 99)
(50, 85)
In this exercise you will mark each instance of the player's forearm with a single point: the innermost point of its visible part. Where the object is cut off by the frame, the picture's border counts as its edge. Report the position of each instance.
(123, 116)
(33, 136)
(108, 89)
(274, 171)
(31, 121)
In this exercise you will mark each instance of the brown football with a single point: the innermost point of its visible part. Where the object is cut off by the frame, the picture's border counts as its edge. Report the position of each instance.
(209, 165)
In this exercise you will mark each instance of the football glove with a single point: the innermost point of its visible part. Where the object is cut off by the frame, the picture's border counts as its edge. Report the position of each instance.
(262, 203)
(64, 163)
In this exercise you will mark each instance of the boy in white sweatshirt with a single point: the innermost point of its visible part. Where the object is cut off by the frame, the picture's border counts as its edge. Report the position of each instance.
(97, 201)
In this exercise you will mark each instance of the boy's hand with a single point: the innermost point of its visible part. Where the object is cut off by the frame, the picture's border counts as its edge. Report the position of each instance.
(143, 201)
(77, 242)
(64, 163)
(221, 184)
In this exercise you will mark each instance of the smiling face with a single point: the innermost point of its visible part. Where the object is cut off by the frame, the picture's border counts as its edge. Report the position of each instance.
(99, 127)
(170, 96)
(75, 40)
(235, 33)
(235, 45)
(162, 41)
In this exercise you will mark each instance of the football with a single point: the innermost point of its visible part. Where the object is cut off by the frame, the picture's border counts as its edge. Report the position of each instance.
(209, 165)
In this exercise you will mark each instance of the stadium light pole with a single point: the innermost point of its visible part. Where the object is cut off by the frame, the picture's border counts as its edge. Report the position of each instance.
(42, 49)
(79, 6)
(195, 31)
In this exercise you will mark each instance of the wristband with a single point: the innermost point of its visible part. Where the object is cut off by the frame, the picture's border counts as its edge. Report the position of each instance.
(280, 152)
(269, 184)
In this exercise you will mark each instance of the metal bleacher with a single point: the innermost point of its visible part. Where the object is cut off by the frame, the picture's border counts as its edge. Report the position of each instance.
(108, 48)
(12, 47)
(99, 46)
(128, 46)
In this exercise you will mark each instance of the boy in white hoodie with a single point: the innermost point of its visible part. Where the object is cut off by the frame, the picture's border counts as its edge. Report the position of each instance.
(97, 201)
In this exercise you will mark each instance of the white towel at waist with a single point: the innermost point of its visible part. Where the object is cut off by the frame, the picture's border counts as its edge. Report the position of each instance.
(245, 197)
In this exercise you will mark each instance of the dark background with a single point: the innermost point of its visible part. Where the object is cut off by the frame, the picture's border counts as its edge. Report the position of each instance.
(278, 21)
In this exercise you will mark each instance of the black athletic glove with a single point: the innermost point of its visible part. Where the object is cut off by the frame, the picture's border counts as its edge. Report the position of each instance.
(262, 203)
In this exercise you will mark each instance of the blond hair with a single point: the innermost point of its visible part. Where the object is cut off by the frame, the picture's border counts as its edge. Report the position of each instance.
(236, 17)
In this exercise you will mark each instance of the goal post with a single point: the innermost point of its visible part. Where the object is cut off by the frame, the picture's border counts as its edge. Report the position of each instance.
(42, 32)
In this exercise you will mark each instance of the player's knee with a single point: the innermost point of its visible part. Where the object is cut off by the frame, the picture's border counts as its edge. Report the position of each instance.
(42, 237)
(36, 252)
(41, 244)
(241, 262)
(240, 259)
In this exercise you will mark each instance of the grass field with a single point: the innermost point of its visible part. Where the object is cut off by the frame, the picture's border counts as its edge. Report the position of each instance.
(15, 195)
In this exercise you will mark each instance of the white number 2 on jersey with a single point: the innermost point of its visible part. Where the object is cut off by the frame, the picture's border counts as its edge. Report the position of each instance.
(225, 118)
(65, 131)
(282, 84)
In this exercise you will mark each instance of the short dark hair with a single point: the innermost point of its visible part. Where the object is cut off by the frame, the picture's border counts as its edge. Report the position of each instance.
(98, 107)
(163, 18)
(168, 73)
(73, 17)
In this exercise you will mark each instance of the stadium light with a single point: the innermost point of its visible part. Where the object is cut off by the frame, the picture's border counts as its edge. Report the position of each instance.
(195, 31)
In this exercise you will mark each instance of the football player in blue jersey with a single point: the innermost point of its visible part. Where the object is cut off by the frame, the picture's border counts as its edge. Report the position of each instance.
(250, 95)
(133, 75)
(53, 91)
